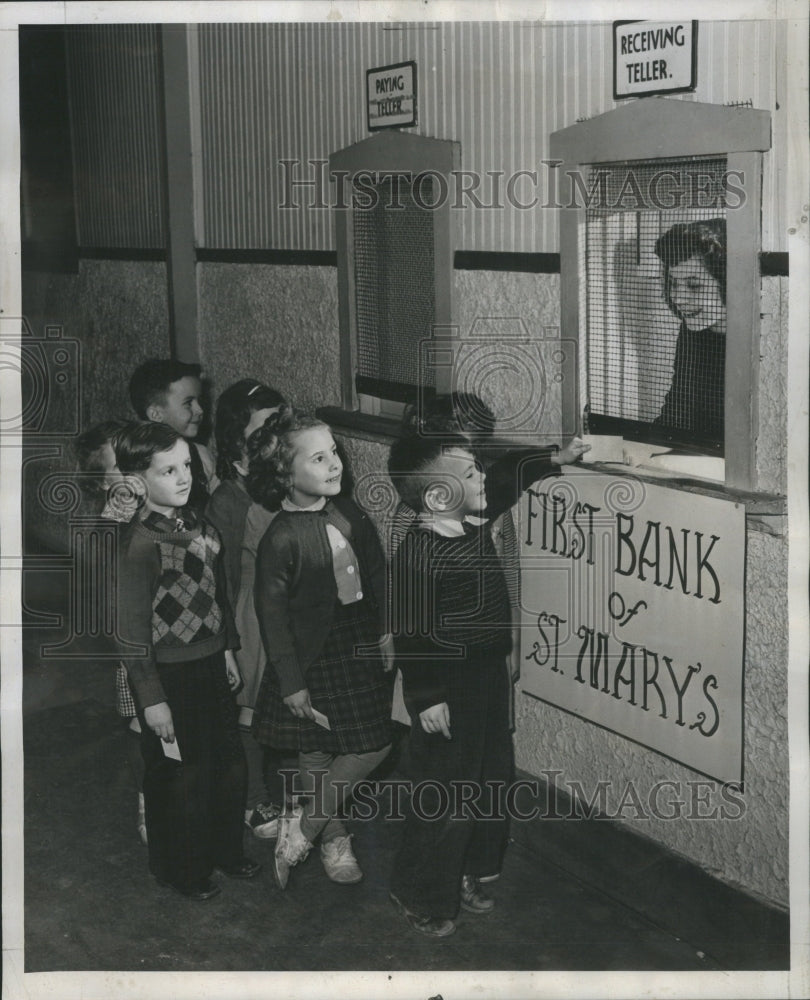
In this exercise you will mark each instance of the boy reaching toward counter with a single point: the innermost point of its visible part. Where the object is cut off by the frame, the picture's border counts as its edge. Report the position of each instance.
(452, 627)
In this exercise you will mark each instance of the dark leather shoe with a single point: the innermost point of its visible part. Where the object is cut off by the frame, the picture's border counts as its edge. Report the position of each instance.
(203, 890)
(473, 900)
(242, 869)
(435, 927)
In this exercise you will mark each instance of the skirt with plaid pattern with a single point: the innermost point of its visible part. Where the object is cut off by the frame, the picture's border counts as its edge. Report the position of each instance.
(346, 683)
(124, 700)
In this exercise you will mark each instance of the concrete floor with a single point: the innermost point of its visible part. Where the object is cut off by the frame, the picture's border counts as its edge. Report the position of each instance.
(574, 895)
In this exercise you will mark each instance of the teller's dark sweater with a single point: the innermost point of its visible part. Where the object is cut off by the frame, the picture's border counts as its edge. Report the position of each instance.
(171, 600)
(695, 401)
(450, 609)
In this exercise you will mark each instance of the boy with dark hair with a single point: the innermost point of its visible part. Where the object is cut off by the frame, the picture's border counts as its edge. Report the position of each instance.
(179, 638)
(167, 391)
(452, 625)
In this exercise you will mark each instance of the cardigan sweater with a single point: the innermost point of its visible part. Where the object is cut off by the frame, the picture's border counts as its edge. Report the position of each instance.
(171, 600)
(296, 592)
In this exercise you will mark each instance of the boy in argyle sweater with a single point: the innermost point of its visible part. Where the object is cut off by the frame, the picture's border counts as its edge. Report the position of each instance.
(179, 638)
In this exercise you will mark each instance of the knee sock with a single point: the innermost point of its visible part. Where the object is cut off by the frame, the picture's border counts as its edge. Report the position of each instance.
(254, 753)
(135, 758)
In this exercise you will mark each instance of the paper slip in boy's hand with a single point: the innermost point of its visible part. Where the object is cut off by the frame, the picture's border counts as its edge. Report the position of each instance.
(171, 749)
(321, 719)
(604, 448)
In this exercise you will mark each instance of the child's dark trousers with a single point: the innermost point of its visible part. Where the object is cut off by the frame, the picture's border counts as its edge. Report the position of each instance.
(450, 777)
(195, 807)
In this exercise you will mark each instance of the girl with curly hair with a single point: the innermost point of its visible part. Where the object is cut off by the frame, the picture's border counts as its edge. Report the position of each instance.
(320, 601)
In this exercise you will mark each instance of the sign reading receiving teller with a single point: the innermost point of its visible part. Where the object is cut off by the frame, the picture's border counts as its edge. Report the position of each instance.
(654, 57)
(391, 96)
(633, 613)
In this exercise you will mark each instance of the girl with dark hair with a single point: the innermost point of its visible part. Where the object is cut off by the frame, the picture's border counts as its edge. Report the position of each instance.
(242, 409)
(320, 601)
(693, 255)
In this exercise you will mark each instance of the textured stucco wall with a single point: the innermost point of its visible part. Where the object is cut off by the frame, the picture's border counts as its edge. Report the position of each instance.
(117, 311)
(274, 323)
(511, 357)
(771, 462)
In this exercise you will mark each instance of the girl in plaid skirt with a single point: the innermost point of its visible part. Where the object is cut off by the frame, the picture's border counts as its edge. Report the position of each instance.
(320, 601)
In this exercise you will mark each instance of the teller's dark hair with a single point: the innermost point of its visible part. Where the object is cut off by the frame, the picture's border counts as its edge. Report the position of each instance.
(410, 459)
(705, 239)
(136, 444)
(235, 407)
(271, 450)
(150, 381)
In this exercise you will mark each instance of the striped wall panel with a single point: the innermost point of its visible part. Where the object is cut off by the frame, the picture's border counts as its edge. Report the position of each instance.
(113, 84)
(274, 92)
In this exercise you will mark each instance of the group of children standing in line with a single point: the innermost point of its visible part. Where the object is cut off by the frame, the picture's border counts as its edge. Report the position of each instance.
(257, 617)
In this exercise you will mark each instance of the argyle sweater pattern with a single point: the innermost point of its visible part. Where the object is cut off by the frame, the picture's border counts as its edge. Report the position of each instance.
(171, 598)
(186, 601)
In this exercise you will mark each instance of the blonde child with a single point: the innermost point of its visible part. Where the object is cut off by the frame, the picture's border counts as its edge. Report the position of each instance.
(320, 601)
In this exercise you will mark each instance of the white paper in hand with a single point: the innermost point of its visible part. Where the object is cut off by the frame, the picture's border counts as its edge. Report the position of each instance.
(321, 719)
(171, 749)
(604, 448)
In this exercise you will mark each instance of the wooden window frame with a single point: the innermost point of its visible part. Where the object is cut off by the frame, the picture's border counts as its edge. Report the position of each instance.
(393, 152)
(657, 128)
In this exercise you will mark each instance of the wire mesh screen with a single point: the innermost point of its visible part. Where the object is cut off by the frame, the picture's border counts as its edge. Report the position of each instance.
(654, 259)
(394, 287)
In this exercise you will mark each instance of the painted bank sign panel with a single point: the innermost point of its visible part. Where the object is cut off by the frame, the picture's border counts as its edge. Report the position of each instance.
(633, 613)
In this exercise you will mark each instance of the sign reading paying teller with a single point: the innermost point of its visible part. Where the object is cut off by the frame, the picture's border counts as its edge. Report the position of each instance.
(391, 96)
(654, 57)
(633, 613)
